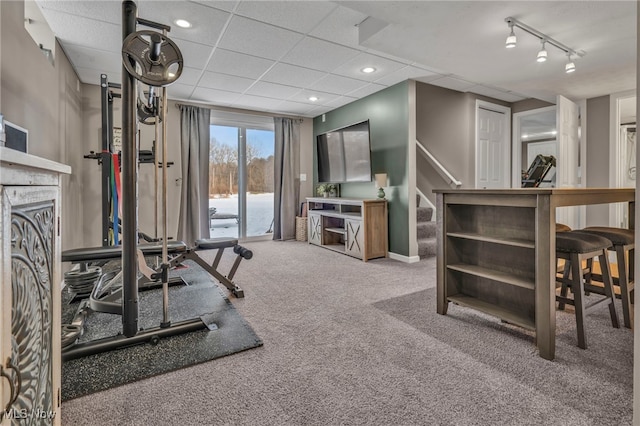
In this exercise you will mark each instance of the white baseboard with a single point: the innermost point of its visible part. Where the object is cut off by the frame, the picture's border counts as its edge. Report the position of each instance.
(403, 258)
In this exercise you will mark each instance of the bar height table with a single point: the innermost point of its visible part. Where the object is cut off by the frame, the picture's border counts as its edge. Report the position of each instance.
(496, 251)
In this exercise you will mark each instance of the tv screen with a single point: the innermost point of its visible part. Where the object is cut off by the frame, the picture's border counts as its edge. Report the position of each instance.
(344, 155)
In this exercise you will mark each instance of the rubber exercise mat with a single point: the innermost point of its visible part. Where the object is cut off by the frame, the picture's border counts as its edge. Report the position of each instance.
(201, 297)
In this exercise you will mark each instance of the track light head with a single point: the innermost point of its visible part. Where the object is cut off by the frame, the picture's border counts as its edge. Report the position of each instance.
(542, 54)
(511, 39)
(570, 66)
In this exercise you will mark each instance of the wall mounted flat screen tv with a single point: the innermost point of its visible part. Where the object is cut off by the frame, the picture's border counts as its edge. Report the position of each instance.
(344, 155)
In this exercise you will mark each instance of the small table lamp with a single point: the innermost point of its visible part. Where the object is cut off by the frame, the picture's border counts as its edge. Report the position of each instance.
(381, 182)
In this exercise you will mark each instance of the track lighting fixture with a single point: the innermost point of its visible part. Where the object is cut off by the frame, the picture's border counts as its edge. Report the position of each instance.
(542, 54)
(544, 39)
(570, 66)
(511, 39)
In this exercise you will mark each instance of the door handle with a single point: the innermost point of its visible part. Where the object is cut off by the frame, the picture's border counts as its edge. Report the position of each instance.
(15, 386)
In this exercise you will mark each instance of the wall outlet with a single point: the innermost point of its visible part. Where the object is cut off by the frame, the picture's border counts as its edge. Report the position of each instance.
(303, 177)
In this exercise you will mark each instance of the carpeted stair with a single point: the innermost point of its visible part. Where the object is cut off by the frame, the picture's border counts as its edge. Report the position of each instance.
(426, 232)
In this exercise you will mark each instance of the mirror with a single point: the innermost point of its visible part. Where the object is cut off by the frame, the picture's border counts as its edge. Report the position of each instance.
(534, 133)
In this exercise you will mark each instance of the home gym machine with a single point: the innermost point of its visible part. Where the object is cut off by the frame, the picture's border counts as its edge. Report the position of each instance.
(151, 57)
(538, 170)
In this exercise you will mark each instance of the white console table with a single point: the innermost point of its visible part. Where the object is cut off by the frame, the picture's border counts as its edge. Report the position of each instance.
(30, 289)
(354, 226)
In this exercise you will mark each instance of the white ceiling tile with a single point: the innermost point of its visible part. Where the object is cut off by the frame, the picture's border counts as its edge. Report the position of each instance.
(319, 54)
(296, 108)
(195, 55)
(206, 23)
(179, 91)
(340, 27)
(366, 90)
(256, 102)
(301, 16)
(495, 93)
(338, 102)
(256, 38)
(323, 97)
(353, 68)
(452, 83)
(216, 97)
(319, 110)
(86, 57)
(405, 74)
(233, 63)
(292, 75)
(92, 75)
(190, 76)
(85, 31)
(226, 5)
(338, 84)
(107, 11)
(271, 90)
(230, 83)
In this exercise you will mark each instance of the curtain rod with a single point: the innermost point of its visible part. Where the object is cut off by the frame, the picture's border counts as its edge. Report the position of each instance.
(239, 111)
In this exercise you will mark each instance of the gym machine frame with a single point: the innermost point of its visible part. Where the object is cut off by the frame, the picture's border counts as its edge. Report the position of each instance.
(130, 330)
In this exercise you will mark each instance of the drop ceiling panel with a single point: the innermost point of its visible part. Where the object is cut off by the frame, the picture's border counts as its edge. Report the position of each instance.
(179, 91)
(323, 97)
(452, 83)
(406, 73)
(233, 63)
(84, 31)
(297, 16)
(296, 108)
(271, 90)
(259, 101)
(195, 55)
(207, 23)
(258, 39)
(88, 58)
(495, 93)
(226, 5)
(340, 27)
(216, 97)
(319, 54)
(190, 76)
(338, 84)
(230, 83)
(353, 67)
(107, 11)
(366, 90)
(340, 101)
(292, 75)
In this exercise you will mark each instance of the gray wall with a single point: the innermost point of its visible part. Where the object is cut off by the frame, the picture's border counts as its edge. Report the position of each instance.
(387, 112)
(598, 161)
(46, 100)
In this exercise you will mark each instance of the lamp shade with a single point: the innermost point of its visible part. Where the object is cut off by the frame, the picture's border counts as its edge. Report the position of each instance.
(381, 180)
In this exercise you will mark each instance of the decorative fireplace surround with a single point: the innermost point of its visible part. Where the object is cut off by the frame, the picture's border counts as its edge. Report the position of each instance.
(30, 288)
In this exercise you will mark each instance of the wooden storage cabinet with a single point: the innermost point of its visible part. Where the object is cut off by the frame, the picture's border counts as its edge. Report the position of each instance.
(488, 260)
(30, 293)
(353, 226)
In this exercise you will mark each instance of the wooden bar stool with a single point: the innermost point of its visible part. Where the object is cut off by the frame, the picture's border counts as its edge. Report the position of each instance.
(574, 247)
(623, 242)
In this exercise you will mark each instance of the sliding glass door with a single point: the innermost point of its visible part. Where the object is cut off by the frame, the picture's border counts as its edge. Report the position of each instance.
(241, 176)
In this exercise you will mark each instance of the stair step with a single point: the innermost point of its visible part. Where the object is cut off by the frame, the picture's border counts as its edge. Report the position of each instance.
(427, 247)
(426, 230)
(424, 214)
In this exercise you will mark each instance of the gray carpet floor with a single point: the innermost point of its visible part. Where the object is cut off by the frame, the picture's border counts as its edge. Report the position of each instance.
(348, 342)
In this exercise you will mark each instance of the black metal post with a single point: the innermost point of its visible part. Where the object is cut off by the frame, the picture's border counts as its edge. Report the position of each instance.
(105, 158)
(129, 186)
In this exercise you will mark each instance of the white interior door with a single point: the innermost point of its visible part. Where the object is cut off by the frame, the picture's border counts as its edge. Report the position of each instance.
(492, 145)
(568, 160)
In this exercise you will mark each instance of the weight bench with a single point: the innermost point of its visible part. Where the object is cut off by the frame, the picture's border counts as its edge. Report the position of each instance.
(177, 250)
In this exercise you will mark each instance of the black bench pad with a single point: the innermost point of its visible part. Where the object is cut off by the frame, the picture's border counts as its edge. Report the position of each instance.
(89, 254)
(215, 243)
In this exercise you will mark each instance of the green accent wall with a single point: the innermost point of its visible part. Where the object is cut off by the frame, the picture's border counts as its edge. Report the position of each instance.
(388, 115)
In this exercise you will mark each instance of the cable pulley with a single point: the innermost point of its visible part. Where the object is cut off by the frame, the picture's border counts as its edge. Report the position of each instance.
(152, 58)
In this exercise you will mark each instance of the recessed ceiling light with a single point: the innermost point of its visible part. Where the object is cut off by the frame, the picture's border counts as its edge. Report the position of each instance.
(313, 98)
(368, 70)
(182, 23)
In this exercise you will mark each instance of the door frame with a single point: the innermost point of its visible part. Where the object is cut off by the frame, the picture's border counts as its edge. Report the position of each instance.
(480, 104)
(516, 144)
(617, 212)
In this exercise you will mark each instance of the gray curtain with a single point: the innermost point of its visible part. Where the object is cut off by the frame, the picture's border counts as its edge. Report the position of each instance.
(193, 222)
(286, 175)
